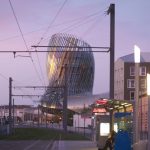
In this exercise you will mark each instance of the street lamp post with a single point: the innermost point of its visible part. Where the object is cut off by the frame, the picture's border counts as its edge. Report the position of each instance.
(148, 94)
(136, 104)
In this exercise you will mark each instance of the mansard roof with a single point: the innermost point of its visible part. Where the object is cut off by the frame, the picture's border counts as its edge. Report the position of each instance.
(145, 57)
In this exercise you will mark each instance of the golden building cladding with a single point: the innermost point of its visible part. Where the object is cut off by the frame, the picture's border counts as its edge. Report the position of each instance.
(67, 50)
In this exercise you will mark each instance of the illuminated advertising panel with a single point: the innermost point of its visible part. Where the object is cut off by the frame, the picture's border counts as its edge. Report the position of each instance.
(105, 129)
(99, 110)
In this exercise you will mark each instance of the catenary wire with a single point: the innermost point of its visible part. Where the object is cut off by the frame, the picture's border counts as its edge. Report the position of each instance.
(54, 26)
(89, 29)
(40, 68)
(25, 92)
(18, 25)
(75, 25)
(4, 77)
(24, 39)
(46, 33)
(79, 24)
(60, 9)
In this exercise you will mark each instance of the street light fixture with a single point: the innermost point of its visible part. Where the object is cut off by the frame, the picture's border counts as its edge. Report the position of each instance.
(136, 104)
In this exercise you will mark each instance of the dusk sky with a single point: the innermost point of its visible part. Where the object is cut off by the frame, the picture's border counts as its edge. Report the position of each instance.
(86, 19)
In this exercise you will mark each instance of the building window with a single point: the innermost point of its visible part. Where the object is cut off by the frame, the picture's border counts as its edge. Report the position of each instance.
(130, 83)
(143, 71)
(131, 95)
(143, 83)
(132, 71)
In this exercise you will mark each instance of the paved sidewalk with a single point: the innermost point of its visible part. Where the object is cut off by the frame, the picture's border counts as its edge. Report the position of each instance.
(77, 145)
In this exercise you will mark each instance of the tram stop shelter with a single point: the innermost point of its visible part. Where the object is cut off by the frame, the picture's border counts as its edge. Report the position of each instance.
(111, 115)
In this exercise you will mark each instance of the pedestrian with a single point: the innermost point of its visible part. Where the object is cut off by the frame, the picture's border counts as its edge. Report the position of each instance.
(110, 141)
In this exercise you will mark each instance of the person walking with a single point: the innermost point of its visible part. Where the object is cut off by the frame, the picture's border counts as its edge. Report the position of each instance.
(109, 145)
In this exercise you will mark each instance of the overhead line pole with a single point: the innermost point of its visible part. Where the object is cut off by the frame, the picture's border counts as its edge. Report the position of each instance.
(10, 105)
(13, 117)
(111, 11)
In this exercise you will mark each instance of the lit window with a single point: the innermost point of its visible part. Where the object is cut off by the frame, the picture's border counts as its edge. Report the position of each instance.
(132, 71)
(131, 95)
(130, 83)
(143, 71)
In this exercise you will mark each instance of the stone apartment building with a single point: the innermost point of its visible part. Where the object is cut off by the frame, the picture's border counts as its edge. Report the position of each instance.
(125, 85)
(125, 76)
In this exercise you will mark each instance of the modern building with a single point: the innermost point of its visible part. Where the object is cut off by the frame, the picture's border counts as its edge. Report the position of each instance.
(20, 113)
(125, 76)
(69, 61)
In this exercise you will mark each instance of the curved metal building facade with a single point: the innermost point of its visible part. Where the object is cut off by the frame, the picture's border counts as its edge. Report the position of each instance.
(79, 62)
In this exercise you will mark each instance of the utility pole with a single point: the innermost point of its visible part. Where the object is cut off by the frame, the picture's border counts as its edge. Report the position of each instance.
(65, 99)
(111, 11)
(38, 116)
(84, 119)
(46, 117)
(10, 105)
(13, 117)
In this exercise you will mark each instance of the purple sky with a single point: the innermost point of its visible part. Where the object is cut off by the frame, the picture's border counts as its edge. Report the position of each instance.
(36, 16)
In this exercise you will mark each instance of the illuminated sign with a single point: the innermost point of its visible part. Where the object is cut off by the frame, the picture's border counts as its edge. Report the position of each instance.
(99, 110)
(101, 101)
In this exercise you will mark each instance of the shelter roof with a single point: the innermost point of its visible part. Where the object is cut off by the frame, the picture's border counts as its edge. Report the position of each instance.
(111, 104)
